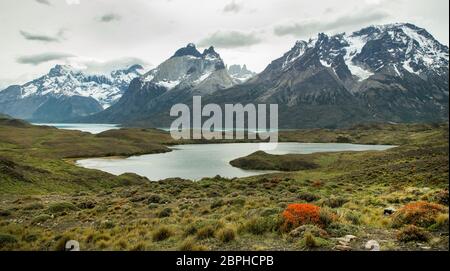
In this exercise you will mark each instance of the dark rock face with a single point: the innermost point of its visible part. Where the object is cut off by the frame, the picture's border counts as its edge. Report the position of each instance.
(61, 109)
(189, 50)
(396, 73)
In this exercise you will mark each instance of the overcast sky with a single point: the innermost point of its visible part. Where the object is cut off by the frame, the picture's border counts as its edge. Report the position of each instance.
(100, 35)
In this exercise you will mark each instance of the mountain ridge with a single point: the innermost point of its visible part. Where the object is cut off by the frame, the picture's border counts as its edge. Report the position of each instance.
(381, 73)
(65, 92)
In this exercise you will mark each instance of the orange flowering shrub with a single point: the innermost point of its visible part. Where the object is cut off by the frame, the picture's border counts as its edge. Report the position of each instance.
(422, 214)
(297, 215)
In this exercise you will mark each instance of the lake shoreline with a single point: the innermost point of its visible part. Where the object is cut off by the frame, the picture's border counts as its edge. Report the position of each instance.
(197, 161)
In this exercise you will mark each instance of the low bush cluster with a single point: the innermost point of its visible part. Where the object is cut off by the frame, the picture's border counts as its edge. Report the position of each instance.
(421, 214)
(412, 233)
(297, 215)
(162, 234)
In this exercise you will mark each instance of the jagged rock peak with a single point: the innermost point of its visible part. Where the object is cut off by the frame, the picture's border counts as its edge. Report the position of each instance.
(189, 50)
(59, 70)
(134, 68)
(210, 51)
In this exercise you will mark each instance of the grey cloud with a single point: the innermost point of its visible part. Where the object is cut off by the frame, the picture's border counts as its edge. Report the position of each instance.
(110, 17)
(232, 7)
(43, 38)
(44, 2)
(230, 39)
(42, 58)
(310, 27)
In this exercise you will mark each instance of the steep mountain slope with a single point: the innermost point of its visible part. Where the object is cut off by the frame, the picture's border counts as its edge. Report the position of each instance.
(395, 72)
(150, 97)
(64, 93)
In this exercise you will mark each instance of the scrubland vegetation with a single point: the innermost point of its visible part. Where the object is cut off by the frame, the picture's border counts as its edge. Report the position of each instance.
(397, 198)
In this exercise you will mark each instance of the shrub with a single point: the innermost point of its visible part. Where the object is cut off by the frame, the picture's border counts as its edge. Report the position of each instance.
(269, 211)
(240, 201)
(205, 233)
(413, 233)
(41, 219)
(139, 247)
(353, 217)
(338, 229)
(190, 245)
(343, 139)
(155, 199)
(422, 214)
(326, 217)
(312, 229)
(61, 207)
(34, 206)
(308, 197)
(88, 204)
(261, 225)
(226, 235)
(29, 238)
(6, 239)
(5, 213)
(217, 204)
(335, 202)
(441, 223)
(309, 240)
(165, 213)
(296, 215)
(61, 242)
(161, 234)
(107, 224)
(190, 230)
(442, 197)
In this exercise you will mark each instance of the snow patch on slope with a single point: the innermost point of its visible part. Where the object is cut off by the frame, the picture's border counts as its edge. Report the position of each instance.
(355, 45)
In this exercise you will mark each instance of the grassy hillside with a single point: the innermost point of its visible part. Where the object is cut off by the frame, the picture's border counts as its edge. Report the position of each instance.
(46, 200)
(33, 158)
(264, 161)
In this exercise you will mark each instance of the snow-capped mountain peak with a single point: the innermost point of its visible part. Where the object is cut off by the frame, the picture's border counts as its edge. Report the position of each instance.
(60, 70)
(297, 51)
(64, 80)
(399, 47)
(186, 68)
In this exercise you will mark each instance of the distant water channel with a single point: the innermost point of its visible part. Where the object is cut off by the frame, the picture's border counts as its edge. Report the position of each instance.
(208, 160)
(84, 127)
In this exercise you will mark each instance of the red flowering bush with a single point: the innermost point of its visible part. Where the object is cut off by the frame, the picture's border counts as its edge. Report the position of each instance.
(297, 215)
(422, 214)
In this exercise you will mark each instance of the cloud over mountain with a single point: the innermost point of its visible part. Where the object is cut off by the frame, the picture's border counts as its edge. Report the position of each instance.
(42, 58)
(231, 39)
(310, 26)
